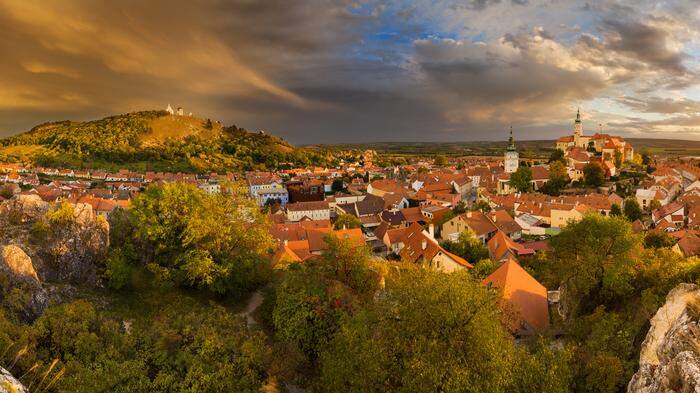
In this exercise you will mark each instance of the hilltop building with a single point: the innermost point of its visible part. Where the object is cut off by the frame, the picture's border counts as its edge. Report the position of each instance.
(511, 157)
(607, 146)
(179, 111)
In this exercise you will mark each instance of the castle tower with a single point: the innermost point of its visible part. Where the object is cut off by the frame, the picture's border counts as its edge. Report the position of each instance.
(578, 127)
(511, 157)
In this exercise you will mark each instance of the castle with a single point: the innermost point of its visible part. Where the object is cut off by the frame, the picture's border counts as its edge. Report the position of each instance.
(607, 146)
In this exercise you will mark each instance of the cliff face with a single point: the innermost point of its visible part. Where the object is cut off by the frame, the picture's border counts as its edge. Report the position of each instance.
(69, 251)
(8, 383)
(670, 355)
(44, 247)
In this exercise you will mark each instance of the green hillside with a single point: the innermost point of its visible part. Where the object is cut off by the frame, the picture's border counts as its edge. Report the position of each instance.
(153, 140)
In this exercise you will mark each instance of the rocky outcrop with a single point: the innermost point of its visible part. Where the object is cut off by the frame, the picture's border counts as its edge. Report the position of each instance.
(17, 264)
(17, 273)
(670, 355)
(26, 207)
(73, 251)
(9, 384)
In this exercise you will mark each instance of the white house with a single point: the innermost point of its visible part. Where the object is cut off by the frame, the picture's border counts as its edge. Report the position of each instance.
(315, 210)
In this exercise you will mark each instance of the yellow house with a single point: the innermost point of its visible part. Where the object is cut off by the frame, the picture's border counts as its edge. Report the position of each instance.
(562, 214)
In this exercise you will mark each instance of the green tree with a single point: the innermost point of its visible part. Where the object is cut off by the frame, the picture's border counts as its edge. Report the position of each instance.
(654, 205)
(521, 179)
(412, 340)
(467, 246)
(558, 178)
(347, 221)
(338, 185)
(593, 174)
(615, 210)
(218, 242)
(557, 155)
(632, 210)
(593, 260)
(6, 192)
(313, 297)
(440, 160)
(430, 331)
(618, 159)
(658, 239)
(460, 208)
(482, 206)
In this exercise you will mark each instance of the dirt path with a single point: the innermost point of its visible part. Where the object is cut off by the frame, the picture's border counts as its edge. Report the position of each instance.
(253, 303)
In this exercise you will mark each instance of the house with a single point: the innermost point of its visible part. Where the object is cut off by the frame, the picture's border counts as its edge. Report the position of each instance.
(210, 187)
(673, 213)
(391, 237)
(475, 221)
(306, 190)
(530, 224)
(421, 247)
(315, 210)
(384, 186)
(266, 186)
(501, 247)
(563, 214)
(413, 215)
(505, 223)
(522, 297)
(644, 197)
(294, 251)
(688, 245)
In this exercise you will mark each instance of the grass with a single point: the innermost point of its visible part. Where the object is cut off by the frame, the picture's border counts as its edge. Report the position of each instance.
(177, 128)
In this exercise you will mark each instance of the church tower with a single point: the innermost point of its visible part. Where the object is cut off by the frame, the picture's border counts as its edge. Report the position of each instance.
(511, 155)
(578, 127)
(578, 130)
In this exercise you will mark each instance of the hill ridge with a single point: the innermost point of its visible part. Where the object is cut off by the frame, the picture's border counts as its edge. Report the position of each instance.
(152, 140)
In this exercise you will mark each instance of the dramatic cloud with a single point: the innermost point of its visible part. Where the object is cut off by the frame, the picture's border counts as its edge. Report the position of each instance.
(342, 70)
(661, 105)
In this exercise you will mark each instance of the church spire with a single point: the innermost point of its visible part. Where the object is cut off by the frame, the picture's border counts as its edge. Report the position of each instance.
(578, 115)
(511, 141)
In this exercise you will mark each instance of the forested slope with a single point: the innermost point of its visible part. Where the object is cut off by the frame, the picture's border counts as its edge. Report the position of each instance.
(154, 140)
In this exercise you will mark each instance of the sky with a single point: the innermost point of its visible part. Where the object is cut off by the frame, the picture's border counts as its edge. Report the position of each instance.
(324, 71)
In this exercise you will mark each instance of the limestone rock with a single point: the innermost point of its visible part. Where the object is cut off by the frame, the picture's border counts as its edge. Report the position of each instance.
(16, 262)
(9, 384)
(670, 354)
(31, 206)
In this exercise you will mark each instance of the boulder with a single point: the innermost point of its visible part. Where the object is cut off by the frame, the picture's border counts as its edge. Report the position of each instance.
(669, 359)
(15, 262)
(9, 384)
(31, 206)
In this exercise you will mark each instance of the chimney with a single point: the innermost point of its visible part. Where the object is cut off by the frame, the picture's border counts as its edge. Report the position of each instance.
(431, 230)
(424, 244)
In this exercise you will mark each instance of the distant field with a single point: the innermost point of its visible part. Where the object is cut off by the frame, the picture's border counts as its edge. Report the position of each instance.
(533, 148)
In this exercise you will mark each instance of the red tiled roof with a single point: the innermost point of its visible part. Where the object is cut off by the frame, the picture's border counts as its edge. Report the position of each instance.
(526, 297)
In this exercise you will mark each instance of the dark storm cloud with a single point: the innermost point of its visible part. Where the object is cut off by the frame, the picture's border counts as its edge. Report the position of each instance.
(645, 42)
(331, 70)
